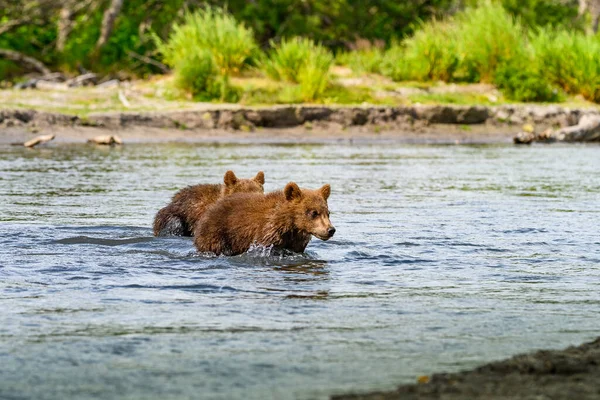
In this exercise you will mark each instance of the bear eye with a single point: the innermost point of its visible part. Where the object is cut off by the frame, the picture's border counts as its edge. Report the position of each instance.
(314, 214)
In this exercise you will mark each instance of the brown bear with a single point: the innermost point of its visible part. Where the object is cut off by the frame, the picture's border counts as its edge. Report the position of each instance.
(189, 204)
(283, 219)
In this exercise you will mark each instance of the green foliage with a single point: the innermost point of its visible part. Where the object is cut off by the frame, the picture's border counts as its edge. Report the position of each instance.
(231, 44)
(199, 75)
(520, 79)
(544, 13)
(333, 22)
(570, 60)
(432, 54)
(300, 61)
(287, 58)
(488, 36)
(369, 61)
(395, 64)
(468, 47)
(313, 76)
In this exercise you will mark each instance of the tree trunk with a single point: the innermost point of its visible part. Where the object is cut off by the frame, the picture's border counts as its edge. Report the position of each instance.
(108, 22)
(23, 59)
(65, 24)
(593, 6)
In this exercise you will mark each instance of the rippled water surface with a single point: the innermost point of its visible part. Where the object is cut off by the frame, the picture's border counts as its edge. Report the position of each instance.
(444, 257)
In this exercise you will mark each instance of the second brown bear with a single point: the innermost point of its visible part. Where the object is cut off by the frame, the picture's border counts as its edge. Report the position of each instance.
(189, 204)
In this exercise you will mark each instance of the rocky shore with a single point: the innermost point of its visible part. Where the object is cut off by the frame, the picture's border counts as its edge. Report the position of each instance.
(541, 123)
(573, 373)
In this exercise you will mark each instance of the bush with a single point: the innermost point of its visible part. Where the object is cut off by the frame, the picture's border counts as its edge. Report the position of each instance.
(488, 37)
(232, 45)
(432, 53)
(300, 61)
(313, 76)
(570, 60)
(199, 75)
(395, 64)
(540, 13)
(469, 47)
(521, 80)
(368, 61)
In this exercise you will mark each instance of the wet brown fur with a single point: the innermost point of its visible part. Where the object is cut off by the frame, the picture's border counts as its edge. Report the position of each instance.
(189, 204)
(283, 219)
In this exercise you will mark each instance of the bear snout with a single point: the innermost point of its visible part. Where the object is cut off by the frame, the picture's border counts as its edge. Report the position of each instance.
(330, 232)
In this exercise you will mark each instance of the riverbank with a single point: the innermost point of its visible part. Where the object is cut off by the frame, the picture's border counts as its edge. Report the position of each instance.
(548, 374)
(415, 123)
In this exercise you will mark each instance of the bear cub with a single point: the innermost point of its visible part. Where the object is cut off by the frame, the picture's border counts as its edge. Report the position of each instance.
(283, 219)
(188, 205)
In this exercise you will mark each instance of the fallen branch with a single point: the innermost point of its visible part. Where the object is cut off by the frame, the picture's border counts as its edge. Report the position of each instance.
(83, 79)
(150, 61)
(108, 140)
(22, 58)
(38, 140)
(124, 100)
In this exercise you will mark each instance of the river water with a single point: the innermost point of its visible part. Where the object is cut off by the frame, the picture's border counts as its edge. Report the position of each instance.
(445, 257)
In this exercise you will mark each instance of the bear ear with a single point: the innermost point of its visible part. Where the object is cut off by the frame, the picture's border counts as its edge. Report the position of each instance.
(260, 177)
(325, 191)
(292, 191)
(230, 178)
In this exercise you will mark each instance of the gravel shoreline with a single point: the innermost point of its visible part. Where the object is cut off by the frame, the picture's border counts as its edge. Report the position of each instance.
(415, 124)
(572, 373)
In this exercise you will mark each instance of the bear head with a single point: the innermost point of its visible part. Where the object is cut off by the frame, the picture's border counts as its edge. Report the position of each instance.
(234, 185)
(310, 210)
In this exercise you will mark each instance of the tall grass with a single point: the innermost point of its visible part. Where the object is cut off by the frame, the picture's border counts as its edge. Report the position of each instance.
(432, 53)
(300, 61)
(199, 75)
(522, 79)
(488, 36)
(366, 61)
(468, 47)
(205, 50)
(570, 60)
(231, 44)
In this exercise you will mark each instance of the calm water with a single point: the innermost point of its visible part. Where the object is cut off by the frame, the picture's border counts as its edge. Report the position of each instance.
(445, 257)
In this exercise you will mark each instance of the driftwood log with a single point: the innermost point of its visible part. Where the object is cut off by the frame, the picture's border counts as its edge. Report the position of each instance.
(39, 140)
(108, 140)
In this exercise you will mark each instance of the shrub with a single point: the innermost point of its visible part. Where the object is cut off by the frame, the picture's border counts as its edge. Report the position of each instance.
(432, 53)
(570, 60)
(313, 76)
(488, 37)
(300, 61)
(199, 75)
(520, 79)
(363, 61)
(395, 64)
(231, 44)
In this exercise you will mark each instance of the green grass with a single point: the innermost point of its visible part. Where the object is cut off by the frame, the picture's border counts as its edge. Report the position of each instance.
(468, 47)
(570, 60)
(300, 61)
(451, 98)
(369, 61)
(487, 37)
(231, 44)
(432, 54)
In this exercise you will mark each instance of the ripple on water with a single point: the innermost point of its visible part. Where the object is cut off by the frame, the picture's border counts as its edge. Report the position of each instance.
(444, 257)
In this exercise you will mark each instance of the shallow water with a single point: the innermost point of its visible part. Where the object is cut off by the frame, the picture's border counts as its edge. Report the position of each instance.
(445, 257)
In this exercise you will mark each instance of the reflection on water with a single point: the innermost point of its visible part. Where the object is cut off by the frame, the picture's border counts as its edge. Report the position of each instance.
(445, 257)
